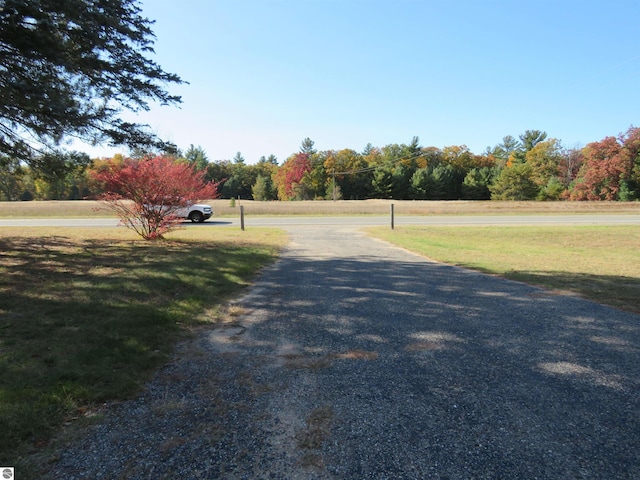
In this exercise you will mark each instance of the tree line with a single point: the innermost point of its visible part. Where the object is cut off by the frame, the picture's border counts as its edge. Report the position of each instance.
(530, 167)
(69, 69)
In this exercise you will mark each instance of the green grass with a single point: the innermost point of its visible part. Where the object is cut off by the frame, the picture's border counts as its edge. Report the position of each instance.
(599, 263)
(86, 316)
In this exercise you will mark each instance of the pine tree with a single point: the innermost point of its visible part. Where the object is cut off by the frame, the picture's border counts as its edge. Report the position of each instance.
(69, 69)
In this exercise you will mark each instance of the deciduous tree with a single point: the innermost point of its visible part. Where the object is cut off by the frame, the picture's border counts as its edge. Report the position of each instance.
(58, 171)
(544, 159)
(146, 194)
(514, 183)
(631, 142)
(459, 157)
(570, 164)
(352, 174)
(288, 179)
(605, 166)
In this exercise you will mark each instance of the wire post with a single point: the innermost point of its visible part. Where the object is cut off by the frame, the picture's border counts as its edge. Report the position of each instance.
(392, 219)
(242, 217)
(334, 184)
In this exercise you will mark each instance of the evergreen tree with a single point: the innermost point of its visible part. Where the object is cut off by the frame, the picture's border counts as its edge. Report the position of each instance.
(68, 69)
(263, 189)
(475, 185)
(197, 157)
(307, 146)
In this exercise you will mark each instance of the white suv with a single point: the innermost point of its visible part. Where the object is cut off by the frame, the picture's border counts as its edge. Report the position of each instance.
(197, 212)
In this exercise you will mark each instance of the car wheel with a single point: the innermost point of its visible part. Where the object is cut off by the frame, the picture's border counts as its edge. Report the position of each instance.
(196, 217)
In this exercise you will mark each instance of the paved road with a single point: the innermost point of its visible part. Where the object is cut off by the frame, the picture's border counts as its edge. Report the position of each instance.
(448, 220)
(355, 359)
(259, 221)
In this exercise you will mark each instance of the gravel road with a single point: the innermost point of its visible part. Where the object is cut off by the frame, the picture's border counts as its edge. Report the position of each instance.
(354, 359)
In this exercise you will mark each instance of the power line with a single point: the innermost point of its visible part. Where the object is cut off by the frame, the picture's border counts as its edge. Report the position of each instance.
(391, 162)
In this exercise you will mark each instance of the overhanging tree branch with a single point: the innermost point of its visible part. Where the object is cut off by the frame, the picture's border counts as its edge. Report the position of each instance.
(69, 69)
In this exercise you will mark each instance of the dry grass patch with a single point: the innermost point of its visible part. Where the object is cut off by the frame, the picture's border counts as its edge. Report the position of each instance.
(223, 208)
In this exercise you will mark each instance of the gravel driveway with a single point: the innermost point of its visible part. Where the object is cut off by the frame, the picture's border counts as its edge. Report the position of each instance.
(358, 360)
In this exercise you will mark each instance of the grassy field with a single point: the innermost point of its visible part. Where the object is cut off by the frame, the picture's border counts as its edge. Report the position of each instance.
(87, 315)
(599, 263)
(223, 208)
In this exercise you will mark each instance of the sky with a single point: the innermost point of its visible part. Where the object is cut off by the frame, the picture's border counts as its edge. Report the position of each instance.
(265, 74)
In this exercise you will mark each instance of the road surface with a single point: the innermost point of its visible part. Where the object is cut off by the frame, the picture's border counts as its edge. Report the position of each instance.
(259, 221)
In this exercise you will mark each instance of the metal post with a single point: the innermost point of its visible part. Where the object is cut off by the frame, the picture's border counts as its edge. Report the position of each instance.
(392, 219)
(242, 217)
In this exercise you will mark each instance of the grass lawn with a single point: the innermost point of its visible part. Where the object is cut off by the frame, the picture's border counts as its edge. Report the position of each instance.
(601, 263)
(87, 315)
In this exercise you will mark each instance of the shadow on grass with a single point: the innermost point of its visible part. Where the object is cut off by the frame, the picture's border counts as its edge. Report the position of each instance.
(85, 321)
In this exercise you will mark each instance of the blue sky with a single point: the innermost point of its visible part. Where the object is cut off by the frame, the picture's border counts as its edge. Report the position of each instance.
(265, 74)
